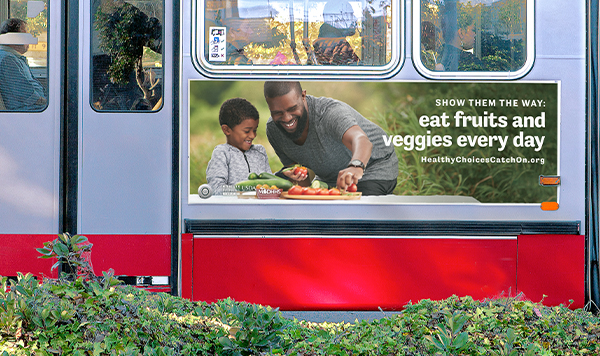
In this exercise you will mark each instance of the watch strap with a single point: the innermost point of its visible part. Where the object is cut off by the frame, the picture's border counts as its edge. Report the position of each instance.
(356, 163)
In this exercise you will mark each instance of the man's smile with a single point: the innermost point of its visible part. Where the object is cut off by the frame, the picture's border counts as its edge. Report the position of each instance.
(290, 126)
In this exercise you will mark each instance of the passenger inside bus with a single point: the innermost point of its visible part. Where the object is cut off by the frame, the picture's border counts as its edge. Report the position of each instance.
(19, 90)
(458, 30)
(331, 47)
(239, 34)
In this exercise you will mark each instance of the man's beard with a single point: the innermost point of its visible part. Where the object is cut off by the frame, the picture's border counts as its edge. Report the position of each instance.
(302, 122)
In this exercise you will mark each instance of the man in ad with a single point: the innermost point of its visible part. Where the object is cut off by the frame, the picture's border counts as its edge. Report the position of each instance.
(329, 137)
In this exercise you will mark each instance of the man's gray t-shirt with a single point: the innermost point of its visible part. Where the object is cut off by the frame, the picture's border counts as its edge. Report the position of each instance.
(323, 150)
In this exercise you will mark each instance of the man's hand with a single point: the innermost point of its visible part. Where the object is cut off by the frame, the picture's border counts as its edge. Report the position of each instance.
(358, 143)
(348, 176)
(299, 178)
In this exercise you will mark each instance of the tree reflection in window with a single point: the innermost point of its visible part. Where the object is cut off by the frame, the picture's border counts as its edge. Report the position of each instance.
(313, 32)
(473, 35)
(127, 69)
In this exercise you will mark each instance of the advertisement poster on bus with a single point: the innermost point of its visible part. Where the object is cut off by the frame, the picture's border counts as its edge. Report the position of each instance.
(488, 141)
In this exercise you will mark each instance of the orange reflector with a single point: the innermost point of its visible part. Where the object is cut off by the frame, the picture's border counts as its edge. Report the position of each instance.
(549, 180)
(549, 205)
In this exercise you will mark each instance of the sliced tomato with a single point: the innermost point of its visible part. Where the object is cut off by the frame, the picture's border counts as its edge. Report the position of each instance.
(310, 191)
(295, 190)
(324, 191)
(304, 189)
(351, 188)
(334, 191)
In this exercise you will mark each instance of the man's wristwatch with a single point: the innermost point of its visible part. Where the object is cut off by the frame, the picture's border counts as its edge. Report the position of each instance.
(357, 164)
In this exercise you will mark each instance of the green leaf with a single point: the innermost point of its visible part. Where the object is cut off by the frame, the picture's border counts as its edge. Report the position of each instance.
(55, 314)
(55, 266)
(98, 349)
(225, 342)
(435, 342)
(21, 290)
(64, 237)
(60, 249)
(80, 239)
(44, 251)
(460, 341)
(37, 321)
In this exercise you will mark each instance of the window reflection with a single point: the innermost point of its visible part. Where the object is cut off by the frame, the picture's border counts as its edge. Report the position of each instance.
(23, 56)
(331, 46)
(127, 55)
(311, 32)
(473, 35)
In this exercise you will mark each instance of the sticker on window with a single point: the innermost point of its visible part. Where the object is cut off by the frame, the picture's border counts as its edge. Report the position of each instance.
(218, 44)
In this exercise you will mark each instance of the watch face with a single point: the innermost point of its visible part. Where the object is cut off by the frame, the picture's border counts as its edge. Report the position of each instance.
(356, 163)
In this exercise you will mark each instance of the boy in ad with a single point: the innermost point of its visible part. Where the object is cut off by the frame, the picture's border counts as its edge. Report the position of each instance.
(233, 161)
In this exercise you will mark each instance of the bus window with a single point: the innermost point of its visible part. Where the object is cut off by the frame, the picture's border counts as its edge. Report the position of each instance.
(127, 66)
(23, 55)
(473, 38)
(317, 35)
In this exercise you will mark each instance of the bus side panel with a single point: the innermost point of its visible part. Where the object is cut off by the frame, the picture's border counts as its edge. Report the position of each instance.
(30, 153)
(132, 255)
(187, 265)
(18, 254)
(29, 165)
(350, 273)
(552, 268)
(125, 157)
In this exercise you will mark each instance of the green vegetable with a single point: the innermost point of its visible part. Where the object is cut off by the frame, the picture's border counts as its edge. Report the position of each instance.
(267, 175)
(319, 184)
(253, 176)
(291, 168)
(250, 185)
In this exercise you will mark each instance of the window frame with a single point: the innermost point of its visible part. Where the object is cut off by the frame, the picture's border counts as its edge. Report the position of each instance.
(35, 71)
(91, 71)
(314, 71)
(473, 75)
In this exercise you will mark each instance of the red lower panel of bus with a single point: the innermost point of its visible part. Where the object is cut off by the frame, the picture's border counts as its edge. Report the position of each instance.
(552, 268)
(127, 255)
(18, 254)
(132, 255)
(367, 273)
